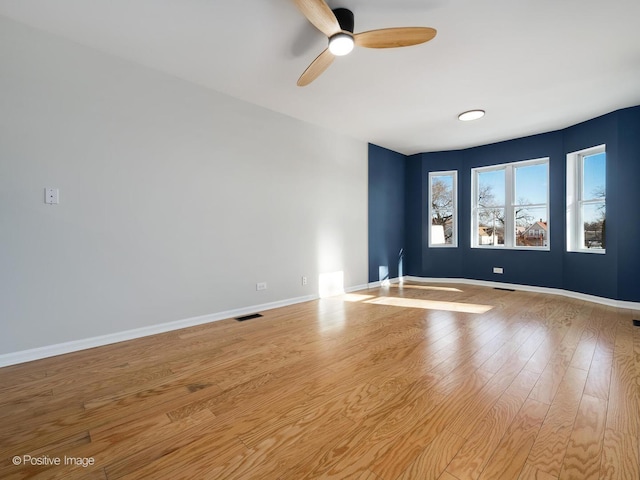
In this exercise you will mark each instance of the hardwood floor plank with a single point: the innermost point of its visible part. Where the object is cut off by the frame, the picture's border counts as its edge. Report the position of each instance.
(584, 351)
(582, 459)
(541, 357)
(136, 452)
(622, 414)
(378, 433)
(550, 446)
(446, 476)
(475, 454)
(550, 379)
(187, 462)
(620, 457)
(272, 455)
(510, 456)
(272, 387)
(434, 458)
(481, 404)
(532, 473)
(320, 463)
(407, 445)
(599, 379)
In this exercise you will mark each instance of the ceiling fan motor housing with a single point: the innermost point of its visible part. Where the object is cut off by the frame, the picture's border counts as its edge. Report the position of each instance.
(345, 19)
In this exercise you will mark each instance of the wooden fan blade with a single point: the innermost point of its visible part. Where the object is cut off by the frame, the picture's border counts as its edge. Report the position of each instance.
(394, 37)
(319, 65)
(320, 15)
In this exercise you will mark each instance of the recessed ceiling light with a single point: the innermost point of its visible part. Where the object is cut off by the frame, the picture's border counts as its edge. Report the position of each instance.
(341, 44)
(471, 115)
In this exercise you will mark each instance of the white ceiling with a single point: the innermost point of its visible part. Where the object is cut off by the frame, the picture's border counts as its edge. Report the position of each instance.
(533, 65)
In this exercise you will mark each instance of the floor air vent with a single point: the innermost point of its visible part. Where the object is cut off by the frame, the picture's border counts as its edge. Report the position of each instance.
(636, 323)
(248, 317)
(504, 289)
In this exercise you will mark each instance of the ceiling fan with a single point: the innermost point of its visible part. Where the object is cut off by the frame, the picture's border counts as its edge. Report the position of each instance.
(337, 25)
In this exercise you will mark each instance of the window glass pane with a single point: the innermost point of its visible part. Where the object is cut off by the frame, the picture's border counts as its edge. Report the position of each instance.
(442, 209)
(491, 188)
(594, 176)
(531, 184)
(593, 221)
(511, 205)
(531, 227)
(586, 200)
(491, 226)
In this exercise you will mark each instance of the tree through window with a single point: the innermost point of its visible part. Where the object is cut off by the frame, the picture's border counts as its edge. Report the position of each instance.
(443, 197)
(586, 200)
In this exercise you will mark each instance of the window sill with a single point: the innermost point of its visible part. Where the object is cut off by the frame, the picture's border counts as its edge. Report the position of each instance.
(591, 251)
(502, 247)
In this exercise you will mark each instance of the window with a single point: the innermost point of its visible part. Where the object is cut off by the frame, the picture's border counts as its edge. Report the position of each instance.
(443, 209)
(510, 204)
(586, 200)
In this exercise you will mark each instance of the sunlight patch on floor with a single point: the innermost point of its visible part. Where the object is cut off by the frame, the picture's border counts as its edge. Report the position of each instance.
(355, 297)
(430, 304)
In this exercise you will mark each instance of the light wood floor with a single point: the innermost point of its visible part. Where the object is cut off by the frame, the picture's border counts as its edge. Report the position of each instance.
(536, 387)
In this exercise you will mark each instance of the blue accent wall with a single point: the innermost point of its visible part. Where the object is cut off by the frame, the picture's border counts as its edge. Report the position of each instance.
(627, 198)
(386, 213)
(612, 275)
(415, 236)
(447, 262)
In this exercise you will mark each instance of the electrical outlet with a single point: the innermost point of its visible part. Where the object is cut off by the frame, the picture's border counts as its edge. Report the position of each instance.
(499, 270)
(304, 280)
(51, 196)
(261, 286)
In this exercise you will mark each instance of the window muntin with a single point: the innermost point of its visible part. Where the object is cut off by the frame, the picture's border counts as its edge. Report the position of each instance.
(443, 209)
(511, 205)
(586, 200)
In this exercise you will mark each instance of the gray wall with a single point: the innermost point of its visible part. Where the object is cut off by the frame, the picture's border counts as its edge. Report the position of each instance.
(174, 199)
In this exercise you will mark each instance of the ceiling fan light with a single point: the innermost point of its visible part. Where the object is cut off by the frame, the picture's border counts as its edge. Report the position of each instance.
(471, 115)
(341, 44)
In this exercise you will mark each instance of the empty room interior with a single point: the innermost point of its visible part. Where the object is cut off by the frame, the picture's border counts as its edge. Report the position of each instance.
(296, 239)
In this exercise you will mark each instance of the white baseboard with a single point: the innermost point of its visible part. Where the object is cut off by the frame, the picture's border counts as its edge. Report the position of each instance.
(356, 288)
(529, 288)
(76, 345)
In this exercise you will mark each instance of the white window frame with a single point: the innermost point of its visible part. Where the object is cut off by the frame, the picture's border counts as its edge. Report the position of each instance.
(454, 224)
(575, 200)
(510, 241)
